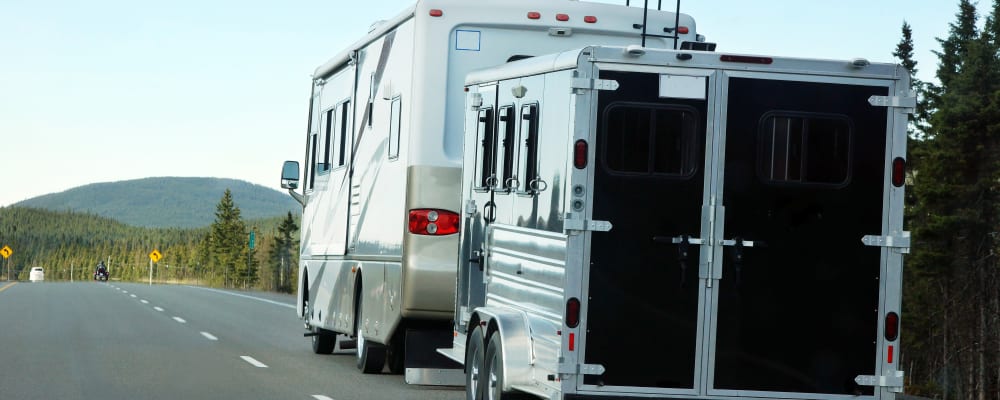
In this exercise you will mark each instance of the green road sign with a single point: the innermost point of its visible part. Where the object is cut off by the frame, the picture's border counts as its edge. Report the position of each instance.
(253, 238)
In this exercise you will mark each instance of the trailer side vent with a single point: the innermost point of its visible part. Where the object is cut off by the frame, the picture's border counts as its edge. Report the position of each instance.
(747, 59)
(573, 312)
(898, 172)
(433, 222)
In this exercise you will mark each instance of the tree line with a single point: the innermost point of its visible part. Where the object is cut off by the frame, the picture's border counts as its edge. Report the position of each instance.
(68, 245)
(951, 302)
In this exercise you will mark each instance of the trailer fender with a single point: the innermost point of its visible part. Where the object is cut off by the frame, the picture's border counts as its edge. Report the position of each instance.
(515, 342)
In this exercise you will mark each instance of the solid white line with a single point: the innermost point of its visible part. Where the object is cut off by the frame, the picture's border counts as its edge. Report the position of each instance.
(179, 319)
(253, 362)
(321, 397)
(209, 336)
(158, 309)
(132, 295)
(144, 301)
(277, 303)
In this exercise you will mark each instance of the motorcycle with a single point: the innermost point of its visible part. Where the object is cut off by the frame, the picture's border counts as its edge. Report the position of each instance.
(101, 276)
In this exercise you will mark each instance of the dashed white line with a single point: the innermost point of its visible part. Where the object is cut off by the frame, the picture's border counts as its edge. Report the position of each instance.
(321, 397)
(253, 362)
(158, 309)
(209, 336)
(125, 291)
(144, 301)
(179, 319)
(132, 295)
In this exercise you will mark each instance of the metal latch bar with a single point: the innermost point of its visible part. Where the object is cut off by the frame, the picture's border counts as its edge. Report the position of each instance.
(893, 383)
(586, 225)
(594, 84)
(581, 369)
(893, 101)
(900, 242)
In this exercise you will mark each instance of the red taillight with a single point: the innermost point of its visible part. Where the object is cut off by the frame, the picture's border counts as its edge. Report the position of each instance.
(888, 356)
(573, 312)
(590, 19)
(898, 172)
(891, 326)
(433, 222)
(572, 341)
(580, 154)
(682, 30)
(747, 59)
(534, 15)
(562, 17)
(436, 13)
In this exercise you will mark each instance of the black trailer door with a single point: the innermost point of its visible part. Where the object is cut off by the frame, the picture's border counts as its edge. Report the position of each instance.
(649, 181)
(804, 168)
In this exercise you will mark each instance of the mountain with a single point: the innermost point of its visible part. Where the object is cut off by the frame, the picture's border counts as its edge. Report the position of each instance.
(167, 201)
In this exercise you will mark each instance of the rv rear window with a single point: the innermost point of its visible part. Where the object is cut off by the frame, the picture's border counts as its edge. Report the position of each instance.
(804, 149)
(651, 139)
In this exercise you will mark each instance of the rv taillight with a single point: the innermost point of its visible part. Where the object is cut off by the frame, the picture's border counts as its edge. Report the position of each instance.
(436, 13)
(682, 30)
(562, 17)
(590, 19)
(580, 154)
(573, 312)
(534, 15)
(898, 172)
(433, 222)
(747, 59)
(891, 326)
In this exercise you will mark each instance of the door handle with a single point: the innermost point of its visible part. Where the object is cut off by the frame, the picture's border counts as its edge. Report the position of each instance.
(489, 212)
(683, 243)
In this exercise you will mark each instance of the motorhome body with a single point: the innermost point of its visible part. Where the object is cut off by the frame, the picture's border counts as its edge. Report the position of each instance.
(684, 225)
(382, 181)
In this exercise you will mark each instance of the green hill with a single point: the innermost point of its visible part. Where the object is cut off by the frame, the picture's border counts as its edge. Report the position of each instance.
(167, 201)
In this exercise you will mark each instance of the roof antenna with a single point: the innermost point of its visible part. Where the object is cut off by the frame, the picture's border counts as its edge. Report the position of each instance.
(677, 22)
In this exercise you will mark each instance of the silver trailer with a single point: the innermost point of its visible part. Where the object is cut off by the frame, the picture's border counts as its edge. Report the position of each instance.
(642, 223)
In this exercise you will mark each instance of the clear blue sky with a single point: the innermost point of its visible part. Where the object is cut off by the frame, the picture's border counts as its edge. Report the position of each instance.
(108, 90)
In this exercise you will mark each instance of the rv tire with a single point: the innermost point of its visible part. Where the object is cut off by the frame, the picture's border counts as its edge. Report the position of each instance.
(323, 341)
(396, 352)
(493, 373)
(371, 356)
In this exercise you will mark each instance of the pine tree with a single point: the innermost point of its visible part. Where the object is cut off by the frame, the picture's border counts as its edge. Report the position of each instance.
(227, 240)
(280, 256)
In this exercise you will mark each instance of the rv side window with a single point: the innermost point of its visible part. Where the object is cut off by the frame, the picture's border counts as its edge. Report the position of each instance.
(394, 122)
(651, 139)
(804, 149)
(312, 160)
(528, 159)
(508, 132)
(343, 131)
(326, 140)
(371, 98)
(485, 157)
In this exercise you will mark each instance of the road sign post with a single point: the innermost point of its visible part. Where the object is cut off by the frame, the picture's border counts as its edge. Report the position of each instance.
(6, 251)
(154, 256)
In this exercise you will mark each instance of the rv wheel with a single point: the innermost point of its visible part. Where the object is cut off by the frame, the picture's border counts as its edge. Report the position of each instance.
(323, 341)
(492, 377)
(474, 365)
(371, 356)
(395, 352)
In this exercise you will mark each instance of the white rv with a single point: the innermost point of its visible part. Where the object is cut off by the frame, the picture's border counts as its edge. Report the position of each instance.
(642, 223)
(381, 187)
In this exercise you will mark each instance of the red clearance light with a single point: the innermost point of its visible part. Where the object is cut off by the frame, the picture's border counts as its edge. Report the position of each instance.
(572, 341)
(898, 172)
(534, 15)
(580, 154)
(891, 326)
(888, 356)
(562, 17)
(433, 222)
(590, 19)
(682, 30)
(747, 59)
(573, 312)
(436, 13)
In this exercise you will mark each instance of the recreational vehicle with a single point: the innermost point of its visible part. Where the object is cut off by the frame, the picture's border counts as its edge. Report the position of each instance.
(644, 223)
(381, 187)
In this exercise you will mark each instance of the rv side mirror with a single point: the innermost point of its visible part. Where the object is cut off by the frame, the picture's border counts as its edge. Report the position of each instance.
(290, 175)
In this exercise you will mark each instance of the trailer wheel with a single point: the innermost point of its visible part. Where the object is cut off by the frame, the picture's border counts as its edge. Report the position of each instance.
(474, 368)
(493, 373)
(371, 356)
(324, 341)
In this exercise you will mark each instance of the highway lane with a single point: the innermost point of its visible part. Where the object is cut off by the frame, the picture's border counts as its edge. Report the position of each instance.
(126, 341)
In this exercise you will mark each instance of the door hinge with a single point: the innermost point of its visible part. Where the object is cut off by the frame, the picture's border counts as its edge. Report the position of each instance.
(899, 243)
(581, 369)
(908, 102)
(470, 207)
(894, 383)
(593, 84)
(580, 224)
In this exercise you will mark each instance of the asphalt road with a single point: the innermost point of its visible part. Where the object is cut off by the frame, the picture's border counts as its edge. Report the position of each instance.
(132, 341)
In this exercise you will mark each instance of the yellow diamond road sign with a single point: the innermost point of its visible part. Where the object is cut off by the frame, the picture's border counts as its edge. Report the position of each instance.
(155, 255)
(6, 251)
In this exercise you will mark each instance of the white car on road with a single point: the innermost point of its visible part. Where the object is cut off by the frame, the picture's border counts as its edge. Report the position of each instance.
(36, 275)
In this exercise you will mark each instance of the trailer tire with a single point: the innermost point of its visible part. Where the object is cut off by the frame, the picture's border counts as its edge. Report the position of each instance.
(371, 356)
(493, 372)
(323, 341)
(474, 366)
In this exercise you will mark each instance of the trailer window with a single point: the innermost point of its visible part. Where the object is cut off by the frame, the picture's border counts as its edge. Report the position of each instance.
(528, 159)
(509, 146)
(395, 114)
(651, 139)
(804, 149)
(485, 151)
